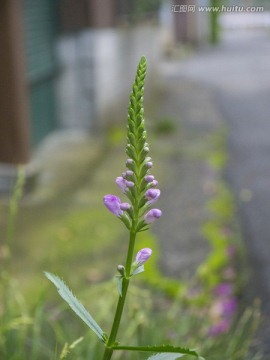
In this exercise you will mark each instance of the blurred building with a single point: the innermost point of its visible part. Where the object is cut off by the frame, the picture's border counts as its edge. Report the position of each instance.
(69, 64)
(190, 25)
(54, 59)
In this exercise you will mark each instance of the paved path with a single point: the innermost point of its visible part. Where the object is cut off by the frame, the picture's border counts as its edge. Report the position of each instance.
(239, 73)
(183, 157)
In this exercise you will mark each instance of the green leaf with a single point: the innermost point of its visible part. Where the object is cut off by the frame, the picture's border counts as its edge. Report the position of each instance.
(172, 352)
(119, 280)
(138, 270)
(76, 306)
(165, 356)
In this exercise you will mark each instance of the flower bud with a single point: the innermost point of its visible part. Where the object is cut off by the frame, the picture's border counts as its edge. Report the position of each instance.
(129, 161)
(112, 203)
(143, 255)
(152, 195)
(149, 164)
(146, 149)
(152, 216)
(129, 183)
(121, 183)
(154, 183)
(125, 206)
(121, 269)
(149, 178)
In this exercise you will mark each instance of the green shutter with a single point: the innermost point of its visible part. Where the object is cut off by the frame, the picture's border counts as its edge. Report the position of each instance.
(40, 35)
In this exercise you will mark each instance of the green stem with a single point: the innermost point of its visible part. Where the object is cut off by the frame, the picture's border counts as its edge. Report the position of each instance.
(121, 300)
(130, 251)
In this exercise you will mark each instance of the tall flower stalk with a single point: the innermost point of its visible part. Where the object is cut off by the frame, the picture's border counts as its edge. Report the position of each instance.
(139, 186)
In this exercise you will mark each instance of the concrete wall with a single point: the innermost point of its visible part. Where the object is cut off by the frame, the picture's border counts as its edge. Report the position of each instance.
(97, 71)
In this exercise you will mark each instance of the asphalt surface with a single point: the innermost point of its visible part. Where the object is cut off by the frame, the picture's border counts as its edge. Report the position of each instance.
(183, 161)
(238, 72)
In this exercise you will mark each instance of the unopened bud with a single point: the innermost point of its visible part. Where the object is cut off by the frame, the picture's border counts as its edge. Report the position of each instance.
(149, 178)
(143, 255)
(125, 206)
(121, 269)
(152, 216)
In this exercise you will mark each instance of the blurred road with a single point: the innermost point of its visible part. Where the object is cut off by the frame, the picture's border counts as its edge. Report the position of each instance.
(238, 71)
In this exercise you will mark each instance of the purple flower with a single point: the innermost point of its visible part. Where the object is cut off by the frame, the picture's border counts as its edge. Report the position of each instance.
(152, 216)
(149, 178)
(154, 183)
(229, 307)
(149, 164)
(129, 173)
(113, 203)
(121, 183)
(219, 328)
(152, 195)
(129, 183)
(125, 206)
(143, 255)
(224, 289)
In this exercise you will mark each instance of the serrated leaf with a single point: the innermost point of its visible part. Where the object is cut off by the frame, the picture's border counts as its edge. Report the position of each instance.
(167, 350)
(76, 306)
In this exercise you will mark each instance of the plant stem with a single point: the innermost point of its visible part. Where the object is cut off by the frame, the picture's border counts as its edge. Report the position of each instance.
(130, 251)
(121, 300)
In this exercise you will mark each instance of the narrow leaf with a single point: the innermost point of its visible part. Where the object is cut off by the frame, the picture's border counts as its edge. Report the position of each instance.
(76, 306)
(166, 350)
(119, 280)
(138, 270)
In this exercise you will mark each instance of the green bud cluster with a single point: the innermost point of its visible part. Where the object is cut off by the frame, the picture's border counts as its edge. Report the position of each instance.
(137, 148)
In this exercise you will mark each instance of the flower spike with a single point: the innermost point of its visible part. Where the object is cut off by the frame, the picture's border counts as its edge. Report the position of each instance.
(136, 181)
